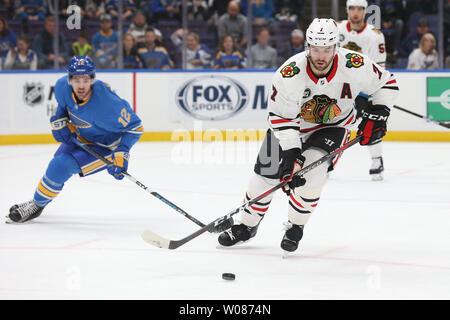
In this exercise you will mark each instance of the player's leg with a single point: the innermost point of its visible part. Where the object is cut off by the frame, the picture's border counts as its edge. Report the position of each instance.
(375, 150)
(59, 170)
(265, 177)
(377, 167)
(67, 161)
(303, 200)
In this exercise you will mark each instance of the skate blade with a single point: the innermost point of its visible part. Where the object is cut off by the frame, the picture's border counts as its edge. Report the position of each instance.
(9, 221)
(237, 244)
(377, 177)
(285, 254)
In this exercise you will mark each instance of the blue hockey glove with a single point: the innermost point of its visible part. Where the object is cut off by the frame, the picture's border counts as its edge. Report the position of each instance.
(60, 129)
(120, 158)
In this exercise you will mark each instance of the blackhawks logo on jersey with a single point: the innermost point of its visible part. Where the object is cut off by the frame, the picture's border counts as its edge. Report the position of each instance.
(320, 109)
(353, 46)
(377, 31)
(354, 60)
(290, 70)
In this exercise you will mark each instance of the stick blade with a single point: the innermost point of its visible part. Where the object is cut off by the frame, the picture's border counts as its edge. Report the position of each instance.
(155, 240)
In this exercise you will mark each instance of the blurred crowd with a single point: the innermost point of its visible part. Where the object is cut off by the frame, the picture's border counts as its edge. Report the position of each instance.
(215, 37)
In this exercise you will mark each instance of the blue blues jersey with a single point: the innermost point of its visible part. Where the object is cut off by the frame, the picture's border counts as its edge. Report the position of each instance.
(105, 42)
(228, 61)
(104, 118)
(156, 58)
(6, 42)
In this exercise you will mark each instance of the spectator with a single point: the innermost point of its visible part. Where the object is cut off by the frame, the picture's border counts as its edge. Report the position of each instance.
(22, 57)
(392, 31)
(234, 24)
(166, 9)
(197, 10)
(228, 56)
(288, 10)
(425, 57)
(8, 39)
(82, 47)
(262, 10)
(105, 43)
(42, 44)
(153, 56)
(139, 26)
(447, 28)
(131, 58)
(94, 9)
(218, 7)
(296, 45)
(422, 6)
(412, 40)
(392, 12)
(128, 8)
(65, 4)
(198, 56)
(262, 55)
(30, 10)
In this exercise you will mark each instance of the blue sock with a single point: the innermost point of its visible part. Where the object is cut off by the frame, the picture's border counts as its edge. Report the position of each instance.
(59, 170)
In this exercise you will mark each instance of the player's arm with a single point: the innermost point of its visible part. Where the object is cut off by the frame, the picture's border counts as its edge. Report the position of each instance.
(378, 49)
(383, 88)
(60, 120)
(284, 120)
(130, 127)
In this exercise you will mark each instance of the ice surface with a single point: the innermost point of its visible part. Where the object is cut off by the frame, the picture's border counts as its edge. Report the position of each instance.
(366, 240)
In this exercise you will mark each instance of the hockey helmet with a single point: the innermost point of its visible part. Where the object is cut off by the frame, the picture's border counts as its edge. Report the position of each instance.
(322, 32)
(80, 66)
(356, 3)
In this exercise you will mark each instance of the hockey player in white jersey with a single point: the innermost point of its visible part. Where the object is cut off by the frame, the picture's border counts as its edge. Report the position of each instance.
(359, 36)
(311, 112)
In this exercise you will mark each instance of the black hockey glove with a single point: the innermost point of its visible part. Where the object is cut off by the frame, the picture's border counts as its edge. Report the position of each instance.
(292, 161)
(373, 125)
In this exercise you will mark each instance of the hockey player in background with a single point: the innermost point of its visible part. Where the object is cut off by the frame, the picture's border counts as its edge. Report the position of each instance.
(89, 110)
(311, 112)
(359, 36)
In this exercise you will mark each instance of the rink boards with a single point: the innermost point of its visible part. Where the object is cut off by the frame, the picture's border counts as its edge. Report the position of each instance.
(206, 105)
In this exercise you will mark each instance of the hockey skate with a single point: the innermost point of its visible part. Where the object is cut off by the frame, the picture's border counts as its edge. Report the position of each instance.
(377, 168)
(23, 212)
(291, 238)
(239, 233)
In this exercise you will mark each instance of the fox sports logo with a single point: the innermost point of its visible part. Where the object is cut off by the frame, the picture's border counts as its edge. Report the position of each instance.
(212, 97)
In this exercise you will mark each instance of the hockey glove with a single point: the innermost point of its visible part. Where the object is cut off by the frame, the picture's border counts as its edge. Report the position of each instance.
(292, 161)
(373, 125)
(120, 158)
(60, 129)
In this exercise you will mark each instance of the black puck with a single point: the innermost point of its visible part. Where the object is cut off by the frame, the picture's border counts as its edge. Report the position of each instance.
(228, 276)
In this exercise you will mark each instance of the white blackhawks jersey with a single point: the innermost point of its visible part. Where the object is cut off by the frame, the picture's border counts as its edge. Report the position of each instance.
(369, 41)
(301, 103)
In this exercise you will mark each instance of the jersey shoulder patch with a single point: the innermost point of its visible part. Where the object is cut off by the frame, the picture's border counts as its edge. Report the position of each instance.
(290, 70)
(377, 31)
(354, 60)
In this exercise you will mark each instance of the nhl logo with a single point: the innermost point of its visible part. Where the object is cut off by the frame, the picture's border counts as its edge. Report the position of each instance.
(33, 93)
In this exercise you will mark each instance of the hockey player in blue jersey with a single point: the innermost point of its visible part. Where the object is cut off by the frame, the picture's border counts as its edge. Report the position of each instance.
(90, 111)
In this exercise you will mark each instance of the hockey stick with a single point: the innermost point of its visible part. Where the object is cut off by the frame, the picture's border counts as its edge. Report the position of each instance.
(443, 124)
(158, 241)
(141, 185)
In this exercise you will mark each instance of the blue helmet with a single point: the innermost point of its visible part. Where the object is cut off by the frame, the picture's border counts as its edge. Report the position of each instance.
(80, 66)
